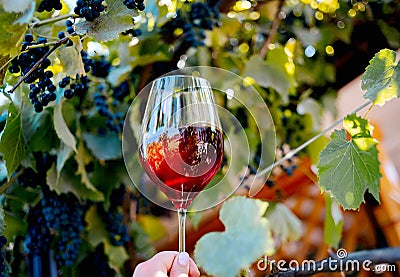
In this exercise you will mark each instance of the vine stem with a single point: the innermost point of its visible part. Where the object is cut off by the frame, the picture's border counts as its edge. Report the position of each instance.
(11, 181)
(39, 62)
(274, 29)
(51, 20)
(293, 152)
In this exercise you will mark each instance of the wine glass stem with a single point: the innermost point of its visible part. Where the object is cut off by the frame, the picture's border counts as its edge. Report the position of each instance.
(181, 222)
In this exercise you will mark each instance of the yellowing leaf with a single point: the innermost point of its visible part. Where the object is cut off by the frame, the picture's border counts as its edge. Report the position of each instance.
(286, 226)
(11, 33)
(71, 59)
(381, 78)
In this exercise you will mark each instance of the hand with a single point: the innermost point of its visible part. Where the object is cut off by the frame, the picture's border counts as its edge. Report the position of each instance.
(168, 264)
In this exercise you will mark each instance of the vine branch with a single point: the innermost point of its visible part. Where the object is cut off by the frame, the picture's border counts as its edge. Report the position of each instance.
(274, 29)
(365, 259)
(39, 62)
(293, 152)
(12, 180)
(52, 20)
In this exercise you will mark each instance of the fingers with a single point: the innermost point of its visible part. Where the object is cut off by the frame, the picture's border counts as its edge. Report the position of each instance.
(193, 270)
(172, 262)
(184, 266)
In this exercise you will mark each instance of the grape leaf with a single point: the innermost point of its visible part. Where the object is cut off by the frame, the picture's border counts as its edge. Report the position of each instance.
(82, 158)
(66, 181)
(349, 164)
(287, 227)
(11, 34)
(108, 25)
(12, 143)
(61, 127)
(71, 59)
(63, 154)
(276, 72)
(333, 222)
(381, 78)
(106, 147)
(38, 130)
(246, 238)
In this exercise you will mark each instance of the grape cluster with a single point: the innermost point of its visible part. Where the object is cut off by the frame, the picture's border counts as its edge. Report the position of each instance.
(114, 219)
(38, 237)
(42, 89)
(80, 85)
(114, 121)
(132, 32)
(199, 17)
(134, 4)
(49, 5)
(121, 91)
(3, 265)
(65, 217)
(69, 29)
(89, 9)
(100, 68)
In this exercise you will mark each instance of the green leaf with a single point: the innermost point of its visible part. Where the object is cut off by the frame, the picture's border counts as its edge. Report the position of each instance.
(381, 78)
(38, 130)
(12, 143)
(66, 181)
(246, 237)
(333, 222)
(141, 240)
(61, 127)
(148, 51)
(63, 154)
(349, 164)
(106, 147)
(71, 59)
(287, 227)
(97, 233)
(276, 72)
(83, 158)
(11, 34)
(107, 26)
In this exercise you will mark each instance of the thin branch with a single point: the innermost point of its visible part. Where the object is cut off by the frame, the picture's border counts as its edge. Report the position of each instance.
(354, 261)
(274, 29)
(11, 181)
(39, 62)
(51, 20)
(290, 154)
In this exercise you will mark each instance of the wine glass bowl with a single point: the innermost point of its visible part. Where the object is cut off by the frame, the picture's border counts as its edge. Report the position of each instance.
(181, 140)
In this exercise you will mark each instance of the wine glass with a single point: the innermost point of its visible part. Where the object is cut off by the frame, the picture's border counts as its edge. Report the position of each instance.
(181, 140)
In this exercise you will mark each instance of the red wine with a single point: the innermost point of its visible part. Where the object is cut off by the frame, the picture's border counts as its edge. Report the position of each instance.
(182, 162)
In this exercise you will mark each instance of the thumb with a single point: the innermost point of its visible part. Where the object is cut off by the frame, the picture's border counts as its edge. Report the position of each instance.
(180, 267)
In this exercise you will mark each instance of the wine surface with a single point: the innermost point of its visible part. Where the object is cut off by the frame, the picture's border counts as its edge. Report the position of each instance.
(183, 161)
